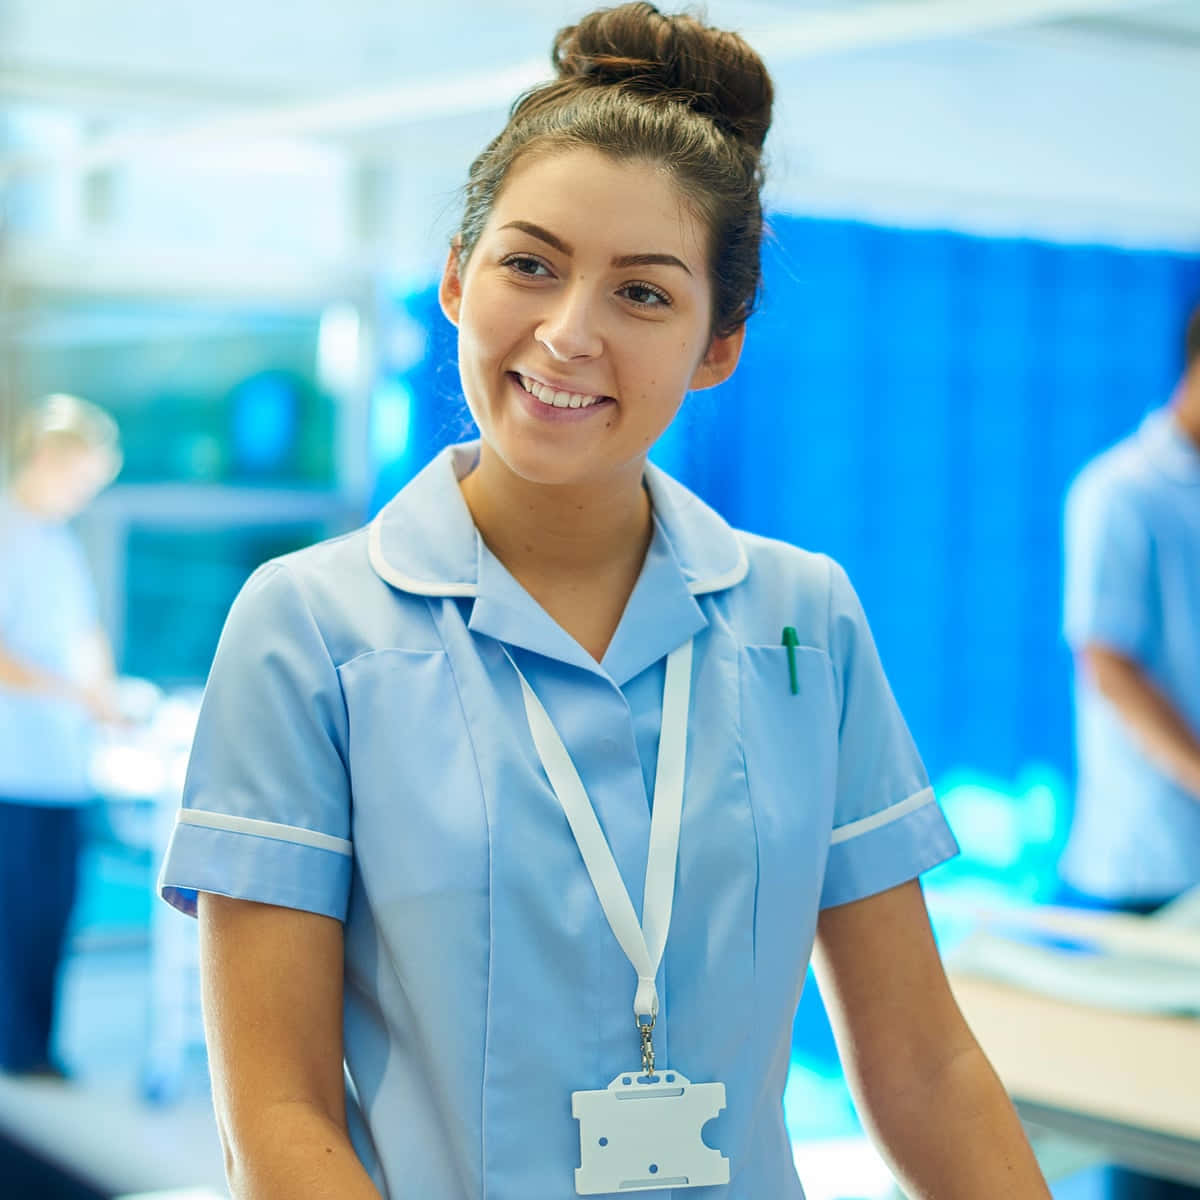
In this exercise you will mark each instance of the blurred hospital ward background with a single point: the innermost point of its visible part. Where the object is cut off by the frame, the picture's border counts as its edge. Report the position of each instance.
(223, 225)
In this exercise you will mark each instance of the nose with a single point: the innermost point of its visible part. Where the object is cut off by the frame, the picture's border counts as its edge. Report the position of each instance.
(568, 330)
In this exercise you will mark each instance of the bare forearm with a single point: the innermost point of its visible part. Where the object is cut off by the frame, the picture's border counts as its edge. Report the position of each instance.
(22, 676)
(293, 1152)
(954, 1135)
(1153, 720)
(93, 692)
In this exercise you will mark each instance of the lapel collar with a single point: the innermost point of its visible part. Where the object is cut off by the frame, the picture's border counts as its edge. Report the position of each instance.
(661, 613)
(708, 551)
(425, 543)
(423, 540)
(504, 610)
(693, 552)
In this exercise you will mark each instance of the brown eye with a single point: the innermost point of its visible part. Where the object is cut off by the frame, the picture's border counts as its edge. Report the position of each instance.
(527, 265)
(645, 295)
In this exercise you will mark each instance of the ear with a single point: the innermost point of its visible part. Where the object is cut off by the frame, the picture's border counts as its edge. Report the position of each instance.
(719, 360)
(450, 289)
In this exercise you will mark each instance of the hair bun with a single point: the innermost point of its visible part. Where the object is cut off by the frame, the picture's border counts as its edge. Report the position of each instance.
(677, 56)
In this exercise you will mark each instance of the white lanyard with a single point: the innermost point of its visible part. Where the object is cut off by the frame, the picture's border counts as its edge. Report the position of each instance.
(643, 944)
(655, 1143)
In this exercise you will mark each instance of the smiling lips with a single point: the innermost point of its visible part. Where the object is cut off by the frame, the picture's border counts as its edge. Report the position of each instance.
(554, 398)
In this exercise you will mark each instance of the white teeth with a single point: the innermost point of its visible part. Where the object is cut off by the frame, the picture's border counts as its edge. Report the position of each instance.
(555, 398)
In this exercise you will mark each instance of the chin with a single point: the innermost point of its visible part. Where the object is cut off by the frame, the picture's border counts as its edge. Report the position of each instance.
(546, 466)
(544, 470)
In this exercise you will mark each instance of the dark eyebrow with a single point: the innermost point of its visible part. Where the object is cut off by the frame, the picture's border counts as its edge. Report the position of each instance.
(623, 260)
(650, 260)
(543, 235)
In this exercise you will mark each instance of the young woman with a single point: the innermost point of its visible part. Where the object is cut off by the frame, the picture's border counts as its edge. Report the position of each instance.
(516, 801)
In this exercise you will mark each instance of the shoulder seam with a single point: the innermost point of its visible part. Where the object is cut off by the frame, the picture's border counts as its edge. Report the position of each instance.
(278, 566)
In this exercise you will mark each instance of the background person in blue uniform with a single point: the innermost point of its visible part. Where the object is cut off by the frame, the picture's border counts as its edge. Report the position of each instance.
(55, 683)
(380, 867)
(1132, 618)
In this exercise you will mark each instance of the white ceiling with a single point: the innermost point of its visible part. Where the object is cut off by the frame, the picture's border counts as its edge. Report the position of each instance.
(1071, 118)
(151, 56)
(143, 58)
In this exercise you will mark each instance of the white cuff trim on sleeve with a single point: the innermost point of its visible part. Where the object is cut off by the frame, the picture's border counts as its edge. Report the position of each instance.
(269, 829)
(843, 833)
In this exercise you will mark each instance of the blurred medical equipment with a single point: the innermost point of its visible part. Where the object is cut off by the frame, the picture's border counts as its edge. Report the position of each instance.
(1092, 1021)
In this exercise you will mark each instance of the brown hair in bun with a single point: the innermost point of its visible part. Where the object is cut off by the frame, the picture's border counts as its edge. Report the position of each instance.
(637, 83)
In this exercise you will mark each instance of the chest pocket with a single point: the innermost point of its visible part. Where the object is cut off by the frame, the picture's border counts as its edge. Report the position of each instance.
(419, 823)
(790, 746)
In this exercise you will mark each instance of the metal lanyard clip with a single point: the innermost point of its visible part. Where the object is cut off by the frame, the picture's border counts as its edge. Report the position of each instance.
(646, 1029)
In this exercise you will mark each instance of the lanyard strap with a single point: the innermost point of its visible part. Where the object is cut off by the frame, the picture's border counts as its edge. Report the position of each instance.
(643, 944)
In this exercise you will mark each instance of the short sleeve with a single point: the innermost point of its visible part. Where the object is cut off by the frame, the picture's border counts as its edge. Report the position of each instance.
(266, 804)
(1107, 569)
(888, 826)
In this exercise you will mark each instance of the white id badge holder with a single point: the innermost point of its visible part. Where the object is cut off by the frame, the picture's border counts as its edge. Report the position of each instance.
(643, 1132)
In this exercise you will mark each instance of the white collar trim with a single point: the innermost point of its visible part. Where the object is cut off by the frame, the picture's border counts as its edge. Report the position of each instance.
(406, 583)
(732, 577)
(699, 529)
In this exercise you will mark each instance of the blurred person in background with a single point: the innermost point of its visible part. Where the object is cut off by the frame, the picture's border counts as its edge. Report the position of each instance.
(56, 683)
(1132, 619)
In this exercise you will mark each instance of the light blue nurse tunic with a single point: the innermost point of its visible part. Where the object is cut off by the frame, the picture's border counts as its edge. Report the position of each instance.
(1132, 584)
(363, 752)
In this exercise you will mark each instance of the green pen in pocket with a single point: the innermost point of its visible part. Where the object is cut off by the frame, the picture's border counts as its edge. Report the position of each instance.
(791, 640)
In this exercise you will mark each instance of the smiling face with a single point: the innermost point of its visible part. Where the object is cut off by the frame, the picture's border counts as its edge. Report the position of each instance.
(584, 316)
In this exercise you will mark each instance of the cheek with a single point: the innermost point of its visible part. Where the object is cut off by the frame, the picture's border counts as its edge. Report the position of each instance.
(666, 375)
(483, 337)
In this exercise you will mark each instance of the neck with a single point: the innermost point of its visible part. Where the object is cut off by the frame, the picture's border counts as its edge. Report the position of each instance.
(1185, 405)
(555, 531)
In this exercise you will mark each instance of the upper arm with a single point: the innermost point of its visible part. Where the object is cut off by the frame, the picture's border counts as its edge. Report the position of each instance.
(884, 987)
(272, 987)
(1108, 568)
(1110, 669)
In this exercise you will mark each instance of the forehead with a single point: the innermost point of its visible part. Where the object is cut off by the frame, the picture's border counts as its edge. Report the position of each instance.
(77, 457)
(66, 446)
(601, 205)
